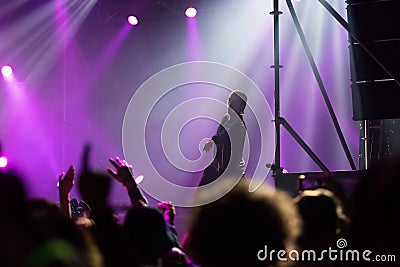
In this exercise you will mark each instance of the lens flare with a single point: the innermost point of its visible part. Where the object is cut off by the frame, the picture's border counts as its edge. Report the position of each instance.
(6, 71)
(191, 12)
(3, 162)
(133, 20)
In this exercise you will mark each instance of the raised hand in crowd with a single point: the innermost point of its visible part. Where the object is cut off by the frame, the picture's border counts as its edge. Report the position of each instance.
(65, 184)
(123, 174)
(94, 186)
(167, 208)
(168, 211)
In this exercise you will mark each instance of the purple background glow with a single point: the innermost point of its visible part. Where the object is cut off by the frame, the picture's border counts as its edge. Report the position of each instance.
(77, 64)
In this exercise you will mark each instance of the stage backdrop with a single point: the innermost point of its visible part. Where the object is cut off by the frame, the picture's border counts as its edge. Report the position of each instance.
(78, 64)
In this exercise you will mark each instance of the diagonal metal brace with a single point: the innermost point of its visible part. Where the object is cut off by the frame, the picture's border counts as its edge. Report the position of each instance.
(321, 84)
(307, 149)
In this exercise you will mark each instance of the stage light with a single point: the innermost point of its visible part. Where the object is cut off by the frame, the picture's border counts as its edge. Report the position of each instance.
(3, 162)
(6, 71)
(191, 12)
(133, 20)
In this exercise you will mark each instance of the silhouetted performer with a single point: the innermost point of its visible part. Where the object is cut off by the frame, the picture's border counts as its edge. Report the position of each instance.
(229, 142)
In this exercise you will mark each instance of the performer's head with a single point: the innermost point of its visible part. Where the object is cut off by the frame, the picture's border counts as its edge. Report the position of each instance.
(237, 102)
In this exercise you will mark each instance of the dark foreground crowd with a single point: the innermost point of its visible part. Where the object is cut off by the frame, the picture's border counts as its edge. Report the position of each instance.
(320, 227)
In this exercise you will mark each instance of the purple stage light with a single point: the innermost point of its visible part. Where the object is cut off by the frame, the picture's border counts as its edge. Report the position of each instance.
(6, 71)
(3, 162)
(191, 12)
(133, 20)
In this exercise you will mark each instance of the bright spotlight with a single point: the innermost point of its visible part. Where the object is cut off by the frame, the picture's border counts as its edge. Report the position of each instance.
(191, 12)
(6, 71)
(3, 162)
(133, 20)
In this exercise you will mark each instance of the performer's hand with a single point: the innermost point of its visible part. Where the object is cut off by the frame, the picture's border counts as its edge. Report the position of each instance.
(123, 173)
(208, 145)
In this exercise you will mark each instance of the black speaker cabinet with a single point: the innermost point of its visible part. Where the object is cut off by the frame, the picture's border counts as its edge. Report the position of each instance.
(374, 90)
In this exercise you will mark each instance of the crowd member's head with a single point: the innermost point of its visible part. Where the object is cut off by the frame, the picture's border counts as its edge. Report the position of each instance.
(147, 234)
(54, 232)
(376, 213)
(322, 216)
(232, 230)
(14, 229)
(12, 198)
(95, 188)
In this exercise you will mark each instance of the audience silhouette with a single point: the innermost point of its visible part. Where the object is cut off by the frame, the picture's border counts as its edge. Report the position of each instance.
(241, 228)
